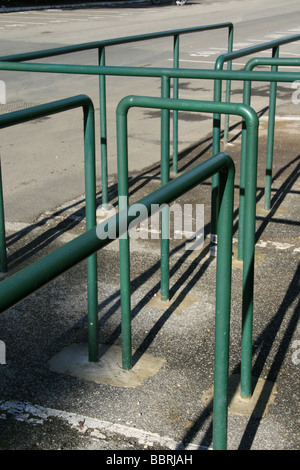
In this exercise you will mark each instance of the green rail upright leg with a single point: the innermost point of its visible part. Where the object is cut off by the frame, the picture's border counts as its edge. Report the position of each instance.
(248, 260)
(246, 101)
(175, 111)
(216, 144)
(165, 177)
(223, 290)
(271, 129)
(215, 178)
(3, 255)
(54, 107)
(122, 152)
(228, 84)
(103, 129)
(125, 296)
(250, 205)
(90, 185)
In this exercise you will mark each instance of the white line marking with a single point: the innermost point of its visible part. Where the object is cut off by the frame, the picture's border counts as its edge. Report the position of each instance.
(203, 54)
(204, 61)
(24, 411)
(289, 53)
(274, 36)
(282, 118)
(277, 245)
(241, 45)
(27, 22)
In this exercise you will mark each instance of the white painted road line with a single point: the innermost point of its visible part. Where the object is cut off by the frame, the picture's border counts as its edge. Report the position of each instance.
(35, 414)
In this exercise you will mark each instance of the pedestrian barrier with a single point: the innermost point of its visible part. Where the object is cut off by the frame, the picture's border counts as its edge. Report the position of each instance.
(229, 57)
(55, 107)
(101, 47)
(165, 103)
(250, 202)
(36, 275)
(274, 63)
(217, 75)
(166, 75)
(127, 71)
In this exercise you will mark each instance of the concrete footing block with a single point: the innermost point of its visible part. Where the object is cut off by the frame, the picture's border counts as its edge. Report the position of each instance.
(73, 360)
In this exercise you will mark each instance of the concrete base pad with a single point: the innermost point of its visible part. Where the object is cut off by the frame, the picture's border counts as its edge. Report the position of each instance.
(156, 302)
(256, 406)
(237, 263)
(73, 360)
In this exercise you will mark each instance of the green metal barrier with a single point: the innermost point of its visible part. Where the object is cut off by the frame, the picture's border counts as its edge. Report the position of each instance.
(101, 46)
(229, 57)
(28, 114)
(246, 232)
(250, 206)
(274, 63)
(164, 74)
(38, 274)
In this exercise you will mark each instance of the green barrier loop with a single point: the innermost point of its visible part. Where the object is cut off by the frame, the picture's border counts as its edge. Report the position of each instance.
(38, 274)
(25, 115)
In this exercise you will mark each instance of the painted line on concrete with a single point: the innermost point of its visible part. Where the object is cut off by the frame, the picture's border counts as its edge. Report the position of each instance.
(281, 246)
(282, 118)
(35, 414)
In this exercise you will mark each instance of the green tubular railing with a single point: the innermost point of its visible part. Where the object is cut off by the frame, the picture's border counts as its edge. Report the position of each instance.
(165, 74)
(274, 45)
(23, 283)
(219, 64)
(250, 205)
(28, 114)
(230, 56)
(274, 63)
(101, 46)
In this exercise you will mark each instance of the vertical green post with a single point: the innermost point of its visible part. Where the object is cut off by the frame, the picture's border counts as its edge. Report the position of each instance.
(223, 294)
(165, 177)
(228, 84)
(248, 258)
(90, 190)
(216, 142)
(3, 256)
(175, 111)
(103, 128)
(246, 101)
(122, 155)
(271, 129)
(215, 178)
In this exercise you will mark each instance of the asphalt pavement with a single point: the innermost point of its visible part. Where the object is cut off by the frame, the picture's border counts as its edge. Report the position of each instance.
(53, 398)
